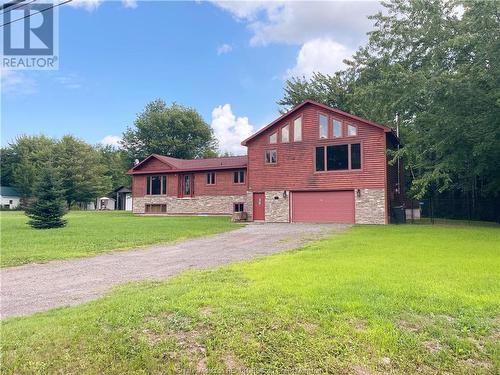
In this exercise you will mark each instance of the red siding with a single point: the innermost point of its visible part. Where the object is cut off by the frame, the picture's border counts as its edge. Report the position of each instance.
(323, 207)
(223, 184)
(153, 165)
(138, 185)
(295, 169)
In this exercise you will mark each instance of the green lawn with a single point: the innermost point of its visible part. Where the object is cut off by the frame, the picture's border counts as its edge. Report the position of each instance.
(90, 233)
(377, 299)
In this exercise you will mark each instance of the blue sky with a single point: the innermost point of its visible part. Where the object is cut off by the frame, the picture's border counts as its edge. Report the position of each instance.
(227, 60)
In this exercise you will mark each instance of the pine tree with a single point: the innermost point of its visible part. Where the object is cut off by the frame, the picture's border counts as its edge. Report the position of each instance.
(48, 209)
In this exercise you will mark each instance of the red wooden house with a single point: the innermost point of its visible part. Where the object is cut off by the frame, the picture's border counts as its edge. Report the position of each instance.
(312, 164)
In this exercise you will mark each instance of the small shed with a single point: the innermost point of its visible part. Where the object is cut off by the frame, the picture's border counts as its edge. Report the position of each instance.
(105, 203)
(9, 197)
(123, 198)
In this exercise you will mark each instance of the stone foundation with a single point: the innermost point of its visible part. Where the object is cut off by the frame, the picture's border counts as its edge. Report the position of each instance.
(203, 204)
(277, 207)
(370, 206)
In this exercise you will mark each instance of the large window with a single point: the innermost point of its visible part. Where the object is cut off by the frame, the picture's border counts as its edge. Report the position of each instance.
(239, 177)
(271, 157)
(285, 133)
(156, 185)
(338, 157)
(211, 178)
(297, 130)
(337, 129)
(323, 126)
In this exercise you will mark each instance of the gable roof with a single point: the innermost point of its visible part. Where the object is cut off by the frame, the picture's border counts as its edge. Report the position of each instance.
(186, 165)
(8, 191)
(386, 129)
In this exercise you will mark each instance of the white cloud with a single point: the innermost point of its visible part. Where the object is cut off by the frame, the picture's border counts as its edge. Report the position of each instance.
(319, 55)
(297, 22)
(91, 5)
(230, 130)
(70, 81)
(131, 4)
(14, 82)
(111, 140)
(88, 5)
(224, 48)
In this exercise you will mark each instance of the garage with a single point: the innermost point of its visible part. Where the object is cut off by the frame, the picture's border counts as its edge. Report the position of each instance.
(323, 207)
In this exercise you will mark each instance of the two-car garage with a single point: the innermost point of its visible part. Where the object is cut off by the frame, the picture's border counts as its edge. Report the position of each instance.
(322, 207)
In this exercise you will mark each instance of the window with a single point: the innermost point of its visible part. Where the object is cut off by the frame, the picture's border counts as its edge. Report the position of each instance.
(156, 185)
(285, 133)
(352, 130)
(273, 138)
(337, 129)
(338, 157)
(239, 207)
(271, 157)
(356, 156)
(323, 126)
(211, 178)
(156, 208)
(320, 158)
(297, 130)
(239, 177)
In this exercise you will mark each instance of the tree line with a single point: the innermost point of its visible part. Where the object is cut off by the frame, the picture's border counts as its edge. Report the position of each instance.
(431, 68)
(84, 172)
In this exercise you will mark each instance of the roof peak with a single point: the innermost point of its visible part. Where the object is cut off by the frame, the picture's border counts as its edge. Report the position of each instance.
(324, 106)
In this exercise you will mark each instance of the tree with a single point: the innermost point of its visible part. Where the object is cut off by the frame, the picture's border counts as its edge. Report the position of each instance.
(175, 131)
(438, 71)
(117, 163)
(22, 161)
(48, 209)
(83, 175)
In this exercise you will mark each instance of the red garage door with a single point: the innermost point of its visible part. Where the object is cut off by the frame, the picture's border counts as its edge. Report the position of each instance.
(323, 206)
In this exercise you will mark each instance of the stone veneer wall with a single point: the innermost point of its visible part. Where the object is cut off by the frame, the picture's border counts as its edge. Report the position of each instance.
(370, 206)
(203, 204)
(277, 210)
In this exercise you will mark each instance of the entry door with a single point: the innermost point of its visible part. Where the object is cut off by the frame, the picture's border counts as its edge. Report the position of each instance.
(259, 206)
(186, 185)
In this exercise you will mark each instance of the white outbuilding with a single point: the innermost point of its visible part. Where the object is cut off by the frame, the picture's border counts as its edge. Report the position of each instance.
(9, 197)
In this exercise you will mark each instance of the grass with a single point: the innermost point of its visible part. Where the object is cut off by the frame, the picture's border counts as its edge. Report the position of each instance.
(392, 299)
(91, 233)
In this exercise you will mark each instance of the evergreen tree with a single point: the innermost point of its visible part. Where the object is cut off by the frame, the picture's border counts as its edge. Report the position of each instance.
(48, 209)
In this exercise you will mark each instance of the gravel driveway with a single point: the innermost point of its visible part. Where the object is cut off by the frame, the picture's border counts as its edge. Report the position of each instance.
(40, 287)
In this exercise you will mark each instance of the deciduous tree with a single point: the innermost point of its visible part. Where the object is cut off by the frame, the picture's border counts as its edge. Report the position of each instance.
(174, 130)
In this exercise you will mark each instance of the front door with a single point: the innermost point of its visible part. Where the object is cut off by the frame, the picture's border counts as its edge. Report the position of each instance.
(259, 206)
(186, 185)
